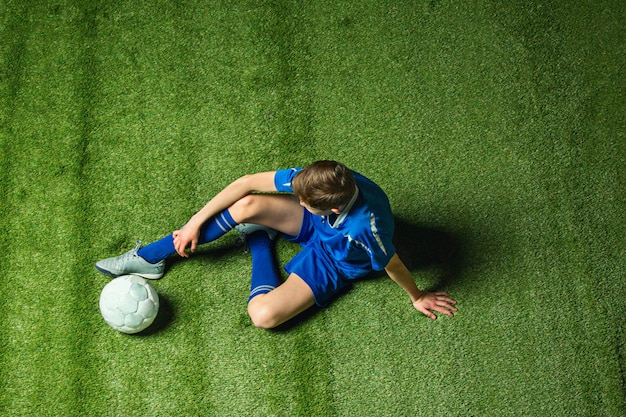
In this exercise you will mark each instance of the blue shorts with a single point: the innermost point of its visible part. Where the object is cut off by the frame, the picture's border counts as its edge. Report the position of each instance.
(313, 264)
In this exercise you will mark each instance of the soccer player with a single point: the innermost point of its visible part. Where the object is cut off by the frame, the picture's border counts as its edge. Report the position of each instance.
(341, 219)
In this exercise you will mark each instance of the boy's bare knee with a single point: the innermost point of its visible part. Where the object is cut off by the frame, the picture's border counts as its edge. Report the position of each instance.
(245, 208)
(263, 315)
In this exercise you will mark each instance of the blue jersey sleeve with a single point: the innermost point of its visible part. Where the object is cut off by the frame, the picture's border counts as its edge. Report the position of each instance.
(377, 223)
(377, 241)
(385, 250)
(283, 178)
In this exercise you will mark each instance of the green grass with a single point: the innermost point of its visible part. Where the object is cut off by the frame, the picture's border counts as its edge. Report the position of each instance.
(496, 128)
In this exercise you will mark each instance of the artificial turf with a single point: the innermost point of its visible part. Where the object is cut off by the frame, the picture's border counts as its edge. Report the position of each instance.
(496, 128)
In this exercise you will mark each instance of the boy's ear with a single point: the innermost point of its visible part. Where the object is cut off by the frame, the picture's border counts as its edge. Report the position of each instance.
(336, 210)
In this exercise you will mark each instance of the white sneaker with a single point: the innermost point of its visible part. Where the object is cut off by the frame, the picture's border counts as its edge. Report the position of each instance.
(130, 263)
(249, 228)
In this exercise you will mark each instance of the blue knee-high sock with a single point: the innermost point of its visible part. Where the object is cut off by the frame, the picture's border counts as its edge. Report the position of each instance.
(215, 228)
(265, 276)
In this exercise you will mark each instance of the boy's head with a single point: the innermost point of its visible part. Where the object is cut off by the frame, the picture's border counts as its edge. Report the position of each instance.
(324, 185)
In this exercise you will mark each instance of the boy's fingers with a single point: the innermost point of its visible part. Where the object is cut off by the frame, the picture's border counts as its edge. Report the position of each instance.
(180, 249)
(444, 311)
(427, 313)
(445, 297)
(447, 303)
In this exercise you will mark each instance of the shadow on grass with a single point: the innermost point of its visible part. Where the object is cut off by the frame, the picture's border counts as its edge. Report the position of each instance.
(423, 247)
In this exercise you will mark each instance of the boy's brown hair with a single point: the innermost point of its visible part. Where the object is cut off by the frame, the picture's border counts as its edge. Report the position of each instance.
(324, 185)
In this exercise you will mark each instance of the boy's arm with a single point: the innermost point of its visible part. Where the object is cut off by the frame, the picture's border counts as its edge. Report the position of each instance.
(188, 235)
(424, 301)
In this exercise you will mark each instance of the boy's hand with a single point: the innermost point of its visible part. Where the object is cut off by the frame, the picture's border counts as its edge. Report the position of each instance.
(184, 238)
(435, 301)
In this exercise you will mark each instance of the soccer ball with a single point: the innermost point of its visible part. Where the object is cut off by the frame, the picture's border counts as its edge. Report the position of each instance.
(129, 304)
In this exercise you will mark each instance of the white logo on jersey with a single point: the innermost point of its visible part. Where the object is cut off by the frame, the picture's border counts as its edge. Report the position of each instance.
(375, 233)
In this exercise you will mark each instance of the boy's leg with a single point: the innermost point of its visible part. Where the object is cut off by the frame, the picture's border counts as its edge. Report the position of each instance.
(281, 304)
(265, 275)
(279, 212)
(272, 303)
(213, 229)
(313, 279)
(148, 261)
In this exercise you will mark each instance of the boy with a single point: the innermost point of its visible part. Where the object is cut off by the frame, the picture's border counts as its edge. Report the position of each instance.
(341, 219)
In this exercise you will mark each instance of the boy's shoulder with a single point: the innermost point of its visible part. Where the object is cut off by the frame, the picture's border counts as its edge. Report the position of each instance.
(371, 208)
(283, 179)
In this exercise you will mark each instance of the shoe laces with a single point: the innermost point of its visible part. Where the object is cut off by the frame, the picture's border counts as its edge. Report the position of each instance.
(131, 253)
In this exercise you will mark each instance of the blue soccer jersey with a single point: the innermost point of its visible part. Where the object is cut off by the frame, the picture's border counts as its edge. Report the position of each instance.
(359, 239)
